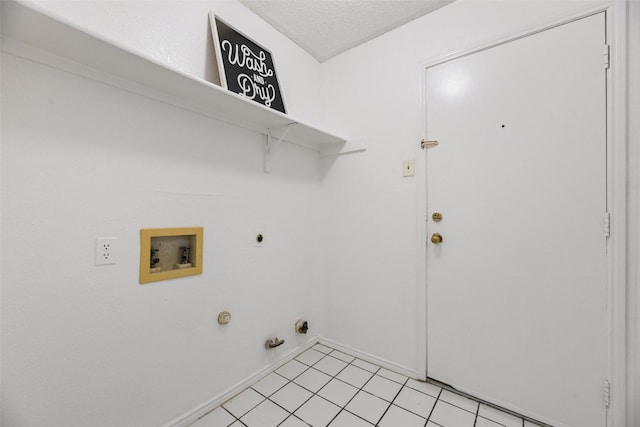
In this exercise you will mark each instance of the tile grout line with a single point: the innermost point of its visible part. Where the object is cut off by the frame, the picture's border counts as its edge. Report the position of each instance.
(312, 393)
(434, 407)
(421, 392)
(316, 393)
(361, 388)
(475, 420)
(291, 414)
(344, 408)
(228, 412)
(308, 367)
(460, 407)
(393, 400)
(277, 404)
(524, 419)
(266, 398)
(477, 414)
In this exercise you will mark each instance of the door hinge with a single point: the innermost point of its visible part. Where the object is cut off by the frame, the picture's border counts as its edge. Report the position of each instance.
(607, 56)
(606, 223)
(607, 393)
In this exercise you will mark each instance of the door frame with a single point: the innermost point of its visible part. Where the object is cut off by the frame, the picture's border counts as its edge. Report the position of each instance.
(616, 122)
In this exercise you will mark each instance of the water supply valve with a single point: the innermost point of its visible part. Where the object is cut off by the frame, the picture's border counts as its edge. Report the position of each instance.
(302, 326)
(274, 342)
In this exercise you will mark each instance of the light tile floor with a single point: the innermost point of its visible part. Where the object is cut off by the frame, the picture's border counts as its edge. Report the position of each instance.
(324, 387)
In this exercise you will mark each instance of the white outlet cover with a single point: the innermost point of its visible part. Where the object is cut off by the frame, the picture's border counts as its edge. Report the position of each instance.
(105, 250)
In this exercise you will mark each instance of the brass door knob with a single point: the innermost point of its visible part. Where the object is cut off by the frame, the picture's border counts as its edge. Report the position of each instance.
(436, 238)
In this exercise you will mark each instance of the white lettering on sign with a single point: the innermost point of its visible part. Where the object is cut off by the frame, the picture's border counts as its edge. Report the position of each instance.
(242, 56)
(258, 79)
(252, 90)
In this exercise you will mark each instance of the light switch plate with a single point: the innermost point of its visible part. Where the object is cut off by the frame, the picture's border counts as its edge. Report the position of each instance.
(408, 168)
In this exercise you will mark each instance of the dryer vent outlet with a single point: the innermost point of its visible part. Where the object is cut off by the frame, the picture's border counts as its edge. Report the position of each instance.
(302, 326)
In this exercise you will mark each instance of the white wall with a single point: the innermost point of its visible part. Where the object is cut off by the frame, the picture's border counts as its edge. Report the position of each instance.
(89, 346)
(371, 213)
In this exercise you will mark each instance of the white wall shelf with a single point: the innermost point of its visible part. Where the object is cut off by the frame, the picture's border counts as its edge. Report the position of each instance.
(28, 32)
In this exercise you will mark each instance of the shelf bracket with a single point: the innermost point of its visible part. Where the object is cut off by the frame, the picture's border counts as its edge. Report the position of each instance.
(350, 146)
(270, 145)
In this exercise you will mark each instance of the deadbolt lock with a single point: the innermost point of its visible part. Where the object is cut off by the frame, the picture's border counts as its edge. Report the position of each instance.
(436, 238)
(436, 216)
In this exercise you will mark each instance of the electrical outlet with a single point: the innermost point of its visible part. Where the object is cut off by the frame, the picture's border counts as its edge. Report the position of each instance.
(105, 250)
(408, 168)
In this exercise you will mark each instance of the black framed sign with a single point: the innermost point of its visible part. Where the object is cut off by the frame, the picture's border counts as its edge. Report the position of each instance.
(245, 67)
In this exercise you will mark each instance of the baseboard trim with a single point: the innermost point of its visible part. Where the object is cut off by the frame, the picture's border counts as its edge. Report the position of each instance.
(202, 409)
(392, 366)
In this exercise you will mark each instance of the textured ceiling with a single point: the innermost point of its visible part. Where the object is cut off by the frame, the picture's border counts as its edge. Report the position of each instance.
(325, 28)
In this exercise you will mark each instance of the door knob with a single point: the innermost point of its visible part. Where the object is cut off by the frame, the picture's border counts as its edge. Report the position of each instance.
(436, 238)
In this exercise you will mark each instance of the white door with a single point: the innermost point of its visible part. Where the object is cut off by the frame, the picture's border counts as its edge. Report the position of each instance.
(516, 290)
